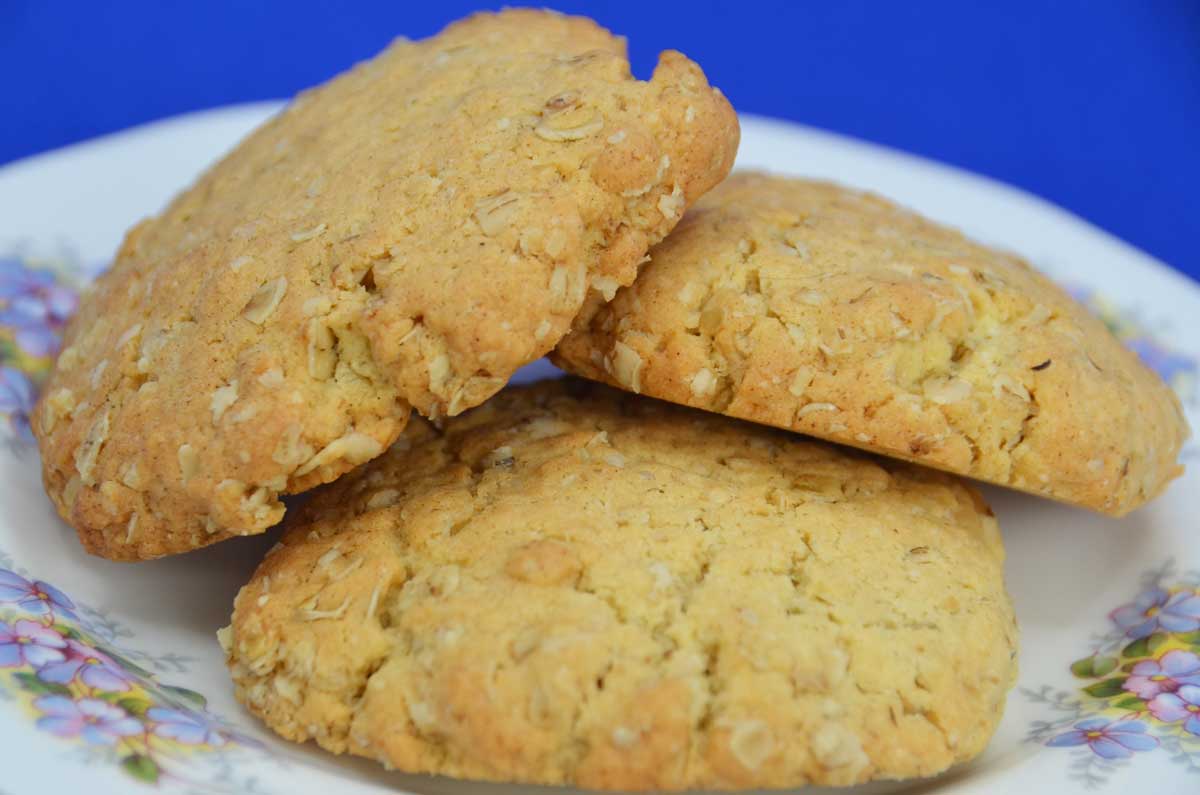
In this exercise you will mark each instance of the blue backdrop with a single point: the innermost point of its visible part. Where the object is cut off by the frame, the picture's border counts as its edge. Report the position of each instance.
(1093, 104)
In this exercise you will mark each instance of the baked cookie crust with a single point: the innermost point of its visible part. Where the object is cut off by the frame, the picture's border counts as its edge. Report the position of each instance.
(573, 585)
(836, 313)
(406, 235)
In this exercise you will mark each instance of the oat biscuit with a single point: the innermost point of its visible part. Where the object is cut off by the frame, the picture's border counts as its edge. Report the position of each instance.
(408, 234)
(573, 585)
(838, 314)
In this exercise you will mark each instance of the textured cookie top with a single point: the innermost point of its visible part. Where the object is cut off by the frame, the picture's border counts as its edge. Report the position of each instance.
(836, 313)
(408, 234)
(574, 585)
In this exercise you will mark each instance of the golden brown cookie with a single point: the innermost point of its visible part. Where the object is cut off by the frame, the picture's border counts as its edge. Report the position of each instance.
(408, 234)
(572, 585)
(838, 314)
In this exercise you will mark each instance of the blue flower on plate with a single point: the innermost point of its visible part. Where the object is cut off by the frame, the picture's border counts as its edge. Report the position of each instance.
(1115, 740)
(30, 643)
(34, 596)
(16, 401)
(188, 728)
(1156, 609)
(96, 721)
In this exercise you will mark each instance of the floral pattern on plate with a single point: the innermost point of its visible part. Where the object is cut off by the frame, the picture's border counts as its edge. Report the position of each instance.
(61, 663)
(36, 300)
(1142, 691)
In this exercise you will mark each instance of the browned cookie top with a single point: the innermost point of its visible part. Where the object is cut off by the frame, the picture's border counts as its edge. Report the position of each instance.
(836, 313)
(408, 234)
(574, 585)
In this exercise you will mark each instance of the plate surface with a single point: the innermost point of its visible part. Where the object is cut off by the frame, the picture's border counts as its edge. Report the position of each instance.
(111, 679)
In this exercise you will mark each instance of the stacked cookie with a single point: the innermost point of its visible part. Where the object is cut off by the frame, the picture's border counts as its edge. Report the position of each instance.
(568, 583)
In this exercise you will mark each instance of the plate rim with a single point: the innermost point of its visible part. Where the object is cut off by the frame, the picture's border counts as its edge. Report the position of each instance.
(941, 171)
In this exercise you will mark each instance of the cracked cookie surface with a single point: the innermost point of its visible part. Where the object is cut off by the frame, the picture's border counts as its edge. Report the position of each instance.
(574, 585)
(813, 307)
(408, 234)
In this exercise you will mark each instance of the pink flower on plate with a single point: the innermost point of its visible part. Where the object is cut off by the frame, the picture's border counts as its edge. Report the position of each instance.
(29, 643)
(1167, 674)
(93, 667)
(34, 307)
(1182, 705)
(96, 721)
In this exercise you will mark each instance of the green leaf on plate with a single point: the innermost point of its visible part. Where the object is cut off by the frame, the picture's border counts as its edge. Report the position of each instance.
(1106, 688)
(68, 632)
(1155, 641)
(1139, 648)
(141, 767)
(1132, 703)
(1085, 668)
(32, 684)
(134, 705)
(1191, 638)
(125, 663)
(187, 695)
(1093, 667)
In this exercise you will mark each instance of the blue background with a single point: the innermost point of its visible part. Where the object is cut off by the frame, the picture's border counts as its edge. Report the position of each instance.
(1093, 105)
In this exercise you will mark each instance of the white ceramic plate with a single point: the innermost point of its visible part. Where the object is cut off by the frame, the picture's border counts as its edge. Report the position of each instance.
(102, 665)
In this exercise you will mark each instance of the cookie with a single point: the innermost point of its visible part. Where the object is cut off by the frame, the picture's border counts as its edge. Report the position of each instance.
(573, 585)
(407, 235)
(838, 314)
